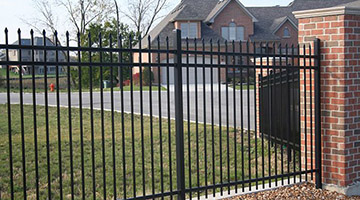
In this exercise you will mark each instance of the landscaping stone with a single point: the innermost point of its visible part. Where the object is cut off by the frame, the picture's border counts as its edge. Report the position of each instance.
(301, 191)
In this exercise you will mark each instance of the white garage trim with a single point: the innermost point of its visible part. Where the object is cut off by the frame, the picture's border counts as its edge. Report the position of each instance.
(200, 72)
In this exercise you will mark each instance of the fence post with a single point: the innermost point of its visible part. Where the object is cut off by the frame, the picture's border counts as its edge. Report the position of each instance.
(318, 147)
(180, 171)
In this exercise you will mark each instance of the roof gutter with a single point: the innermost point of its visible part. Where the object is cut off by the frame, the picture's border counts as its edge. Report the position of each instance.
(341, 10)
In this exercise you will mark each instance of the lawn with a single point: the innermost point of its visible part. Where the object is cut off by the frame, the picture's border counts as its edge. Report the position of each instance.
(244, 87)
(15, 75)
(3, 74)
(125, 88)
(159, 141)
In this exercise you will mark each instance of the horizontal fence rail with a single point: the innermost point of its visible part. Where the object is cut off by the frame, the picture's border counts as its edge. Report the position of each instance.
(114, 118)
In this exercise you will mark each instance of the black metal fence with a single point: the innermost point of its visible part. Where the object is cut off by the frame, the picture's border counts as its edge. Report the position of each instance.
(186, 128)
(276, 119)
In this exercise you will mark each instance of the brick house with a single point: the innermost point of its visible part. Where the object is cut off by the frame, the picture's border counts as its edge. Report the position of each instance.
(26, 55)
(227, 20)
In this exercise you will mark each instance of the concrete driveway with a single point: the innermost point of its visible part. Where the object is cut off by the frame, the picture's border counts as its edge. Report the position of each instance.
(247, 116)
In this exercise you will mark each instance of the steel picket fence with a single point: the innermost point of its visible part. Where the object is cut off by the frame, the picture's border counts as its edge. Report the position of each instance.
(172, 118)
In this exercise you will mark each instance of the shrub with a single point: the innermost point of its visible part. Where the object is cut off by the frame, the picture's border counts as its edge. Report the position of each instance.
(136, 79)
(2, 81)
(147, 73)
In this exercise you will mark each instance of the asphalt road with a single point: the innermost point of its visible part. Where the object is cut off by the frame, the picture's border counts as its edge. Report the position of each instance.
(248, 117)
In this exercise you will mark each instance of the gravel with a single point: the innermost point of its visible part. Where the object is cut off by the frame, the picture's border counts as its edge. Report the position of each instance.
(298, 192)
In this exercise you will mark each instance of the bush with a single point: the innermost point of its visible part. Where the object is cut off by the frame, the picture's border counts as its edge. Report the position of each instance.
(145, 78)
(136, 79)
(2, 81)
(147, 73)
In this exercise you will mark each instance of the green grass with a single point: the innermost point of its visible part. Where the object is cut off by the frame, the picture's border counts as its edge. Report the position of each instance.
(126, 88)
(135, 88)
(15, 75)
(189, 139)
(3, 74)
(244, 87)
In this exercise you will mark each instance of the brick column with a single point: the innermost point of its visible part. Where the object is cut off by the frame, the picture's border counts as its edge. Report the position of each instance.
(339, 31)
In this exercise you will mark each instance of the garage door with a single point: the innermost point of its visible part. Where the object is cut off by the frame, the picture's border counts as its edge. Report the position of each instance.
(199, 69)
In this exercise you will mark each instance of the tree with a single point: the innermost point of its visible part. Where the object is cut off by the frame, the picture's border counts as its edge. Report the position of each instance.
(46, 20)
(144, 13)
(80, 13)
(107, 30)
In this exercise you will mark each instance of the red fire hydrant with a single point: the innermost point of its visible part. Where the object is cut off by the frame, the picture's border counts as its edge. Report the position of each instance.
(52, 87)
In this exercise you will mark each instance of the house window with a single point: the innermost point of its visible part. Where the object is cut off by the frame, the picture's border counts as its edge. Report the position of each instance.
(189, 30)
(232, 32)
(286, 32)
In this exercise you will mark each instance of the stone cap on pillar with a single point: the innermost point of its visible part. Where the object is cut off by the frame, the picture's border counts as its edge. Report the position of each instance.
(347, 9)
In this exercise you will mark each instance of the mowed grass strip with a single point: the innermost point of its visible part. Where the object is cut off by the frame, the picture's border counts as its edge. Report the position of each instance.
(116, 89)
(244, 87)
(167, 175)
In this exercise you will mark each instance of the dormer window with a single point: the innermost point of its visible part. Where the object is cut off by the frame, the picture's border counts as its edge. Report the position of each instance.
(232, 32)
(286, 32)
(189, 30)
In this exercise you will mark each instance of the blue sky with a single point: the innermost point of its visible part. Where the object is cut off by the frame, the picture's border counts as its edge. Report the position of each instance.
(12, 13)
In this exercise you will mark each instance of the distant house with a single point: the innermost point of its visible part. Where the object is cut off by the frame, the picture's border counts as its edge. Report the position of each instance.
(26, 55)
(229, 20)
(2, 58)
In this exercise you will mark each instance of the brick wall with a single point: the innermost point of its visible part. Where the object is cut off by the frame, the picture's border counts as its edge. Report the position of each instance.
(293, 39)
(340, 93)
(234, 13)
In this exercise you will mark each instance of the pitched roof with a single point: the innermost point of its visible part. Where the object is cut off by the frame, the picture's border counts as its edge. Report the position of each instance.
(270, 18)
(266, 19)
(221, 5)
(196, 10)
(38, 41)
(277, 23)
(355, 4)
(186, 10)
(167, 32)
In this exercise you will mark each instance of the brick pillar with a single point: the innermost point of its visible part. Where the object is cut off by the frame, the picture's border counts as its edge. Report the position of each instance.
(339, 31)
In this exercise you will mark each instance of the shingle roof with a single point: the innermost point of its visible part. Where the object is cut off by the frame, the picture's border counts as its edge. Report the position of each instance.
(271, 17)
(220, 5)
(207, 34)
(38, 41)
(217, 7)
(184, 11)
(196, 9)
(355, 4)
(163, 27)
(268, 19)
